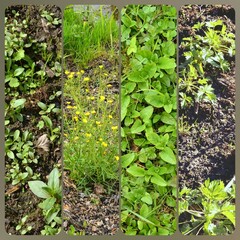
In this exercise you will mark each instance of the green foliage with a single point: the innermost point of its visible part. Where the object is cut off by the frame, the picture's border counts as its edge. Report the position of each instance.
(22, 158)
(51, 206)
(211, 208)
(148, 116)
(88, 32)
(210, 45)
(21, 226)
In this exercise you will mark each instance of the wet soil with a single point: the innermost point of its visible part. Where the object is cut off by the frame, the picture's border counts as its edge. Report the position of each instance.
(207, 146)
(19, 200)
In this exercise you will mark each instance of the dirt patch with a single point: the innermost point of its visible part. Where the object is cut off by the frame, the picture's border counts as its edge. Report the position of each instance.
(207, 149)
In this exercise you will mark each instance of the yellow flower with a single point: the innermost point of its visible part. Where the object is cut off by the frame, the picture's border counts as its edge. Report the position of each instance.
(93, 112)
(114, 127)
(110, 101)
(102, 98)
(74, 107)
(69, 107)
(104, 144)
(110, 116)
(82, 71)
(86, 79)
(117, 158)
(77, 112)
(98, 123)
(87, 90)
(100, 66)
(92, 98)
(75, 118)
(76, 138)
(84, 120)
(105, 74)
(109, 85)
(67, 72)
(87, 114)
(65, 134)
(78, 73)
(100, 139)
(88, 134)
(68, 103)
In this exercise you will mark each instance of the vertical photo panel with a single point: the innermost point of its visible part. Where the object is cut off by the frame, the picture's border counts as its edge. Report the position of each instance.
(91, 120)
(148, 119)
(206, 123)
(33, 120)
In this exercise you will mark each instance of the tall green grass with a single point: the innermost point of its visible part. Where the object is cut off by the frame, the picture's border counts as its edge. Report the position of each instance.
(88, 33)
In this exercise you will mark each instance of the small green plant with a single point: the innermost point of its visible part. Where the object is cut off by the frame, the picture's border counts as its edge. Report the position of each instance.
(21, 226)
(210, 209)
(72, 231)
(51, 206)
(21, 157)
(211, 44)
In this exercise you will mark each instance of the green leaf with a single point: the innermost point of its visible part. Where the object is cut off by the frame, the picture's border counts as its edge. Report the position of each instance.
(47, 204)
(136, 171)
(47, 121)
(37, 188)
(133, 47)
(18, 102)
(158, 180)
(16, 135)
(127, 159)
(10, 154)
(146, 113)
(14, 82)
(125, 100)
(155, 99)
(42, 105)
(19, 55)
(137, 127)
(18, 71)
(168, 119)
(230, 216)
(53, 180)
(147, 199)
(168, 156)
(166, 63)
(153, 137)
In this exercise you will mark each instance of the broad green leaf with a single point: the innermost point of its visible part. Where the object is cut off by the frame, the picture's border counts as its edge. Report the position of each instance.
(47, 121)
(53, 180)
(146, 113)
(16, 135)
(19, 55)
(37, 188)
(14, 82)
(127, 159)
(166, 63)
(147, 199)
(125, 100)
(136, 171)
(137, 127)
(168, 119)
(158, 180)
(18, 102)
(156, 100)
(168, 156)
(133, 47)
(42, 105)
(47, 204)
(18, 71)
(10, 154)
(153, 137)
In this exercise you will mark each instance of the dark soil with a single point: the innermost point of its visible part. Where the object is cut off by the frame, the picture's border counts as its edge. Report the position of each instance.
(207, 148)
(19, 200)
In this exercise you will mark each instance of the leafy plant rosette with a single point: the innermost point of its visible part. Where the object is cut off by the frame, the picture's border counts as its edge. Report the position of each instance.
(148, 116)
(51, 206)
(208, 210)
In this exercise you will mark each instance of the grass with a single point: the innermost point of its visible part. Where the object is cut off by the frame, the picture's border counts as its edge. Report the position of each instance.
(91, 126)
(88, 33)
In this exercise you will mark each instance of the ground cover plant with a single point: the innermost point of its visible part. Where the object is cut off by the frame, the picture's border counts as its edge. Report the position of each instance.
(32, 116)
(148, 120)
(91, 116)
(206, 120)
